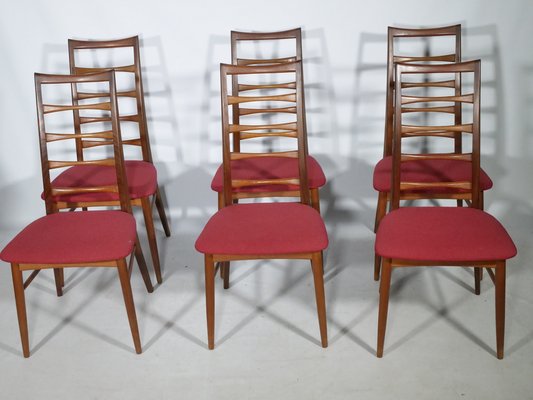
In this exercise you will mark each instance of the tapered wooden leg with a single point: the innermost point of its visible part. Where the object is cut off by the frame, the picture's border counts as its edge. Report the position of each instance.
(58, 278)
(318, 276)
(20, 301)
(477, 280)
(161, 211)
(141, 262)
(226, 267)
(152, 239)
(210, 300)
(500, 308)
(377, 267)
(128, 301)
(315, 199)
(383, 304)
(381, 210)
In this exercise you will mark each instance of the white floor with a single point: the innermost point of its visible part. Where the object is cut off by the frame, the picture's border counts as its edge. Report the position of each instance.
(440, 340)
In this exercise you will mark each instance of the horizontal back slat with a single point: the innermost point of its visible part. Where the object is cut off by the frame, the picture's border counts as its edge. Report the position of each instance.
(51, 108)
(242, 156)
(248, 99)
(91, 70)
(53, 137)
(467, 98)
(240, 128)
(250, 111)
(436, 156)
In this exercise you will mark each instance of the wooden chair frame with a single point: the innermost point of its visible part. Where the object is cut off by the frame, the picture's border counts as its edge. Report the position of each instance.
(393, 33)
(142, 141)
(229, 195)
(400, 131)
(51, 207)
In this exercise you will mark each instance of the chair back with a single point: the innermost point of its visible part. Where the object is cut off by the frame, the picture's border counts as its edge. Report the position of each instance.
(394, 38)
(130, 46)
(280, 97)
(438, 106)
(100, 105)
(243, 37)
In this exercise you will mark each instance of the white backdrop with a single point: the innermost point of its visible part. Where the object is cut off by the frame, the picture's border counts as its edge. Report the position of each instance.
(344, 48)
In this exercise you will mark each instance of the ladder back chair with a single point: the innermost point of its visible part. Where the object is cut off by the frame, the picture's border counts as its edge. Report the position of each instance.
(280, 166)
(432, 169)
(102, 238)
(266, 230)
(440, 236)
(142, 174)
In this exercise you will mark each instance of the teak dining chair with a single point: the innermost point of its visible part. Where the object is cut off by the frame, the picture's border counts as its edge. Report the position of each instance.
(283, 230)
(142, 174)
(83, 238)
(281, 167)
(447, 236)
(429, 169)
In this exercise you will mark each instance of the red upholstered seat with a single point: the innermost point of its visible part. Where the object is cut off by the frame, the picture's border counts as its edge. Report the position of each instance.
(73, 237)
(141, 175)
(263, 228)
(427, 171)
(270, 168)
(443, 234)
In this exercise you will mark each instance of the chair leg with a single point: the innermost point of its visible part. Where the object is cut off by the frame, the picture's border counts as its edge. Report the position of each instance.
(500, 308)
(377, 267)
(477, 279)
(383, 304)
(128, 301)
(20, 301)
(226, 268)
(141, 262)
(381, 210)
(318, 276)
(315, 199)
(161, 211)
(210, 300)
(152, 239)
(58, 278)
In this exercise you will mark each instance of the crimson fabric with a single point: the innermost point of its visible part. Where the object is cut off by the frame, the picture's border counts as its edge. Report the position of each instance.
(269, 168)
(427, 171)
(443, 234)
(73, 237)
(263, 228)
(141, 176)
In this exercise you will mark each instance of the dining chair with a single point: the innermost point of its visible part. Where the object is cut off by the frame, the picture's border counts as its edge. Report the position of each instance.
(440, 236)
(281, 166)
(264, 230)
(428, 170)
(102, 238)
(142, 174)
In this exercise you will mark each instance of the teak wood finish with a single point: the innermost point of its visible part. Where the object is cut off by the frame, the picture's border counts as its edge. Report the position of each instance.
(392, 59)
(238, 112)
(470, 189)
(85, 142)
(296, 130)
(110, 137)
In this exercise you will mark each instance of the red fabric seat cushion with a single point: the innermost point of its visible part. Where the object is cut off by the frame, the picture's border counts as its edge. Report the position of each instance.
(270, 168)
(263, 228)
(443, 234)
(141, 176)
(427, 171)
(73, 237)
